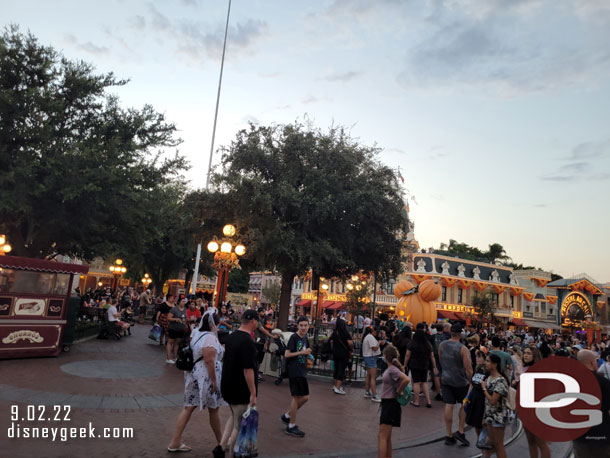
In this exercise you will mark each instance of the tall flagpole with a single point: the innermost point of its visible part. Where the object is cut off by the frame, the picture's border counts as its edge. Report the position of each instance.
(207, 181)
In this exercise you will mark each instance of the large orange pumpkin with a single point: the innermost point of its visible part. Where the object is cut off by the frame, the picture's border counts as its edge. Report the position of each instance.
(416, 310)
(429, 290)
(401, 287)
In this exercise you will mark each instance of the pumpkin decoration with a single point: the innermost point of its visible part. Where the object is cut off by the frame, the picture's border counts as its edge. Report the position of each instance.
(417, 307)
(401, 287)
(429, 290)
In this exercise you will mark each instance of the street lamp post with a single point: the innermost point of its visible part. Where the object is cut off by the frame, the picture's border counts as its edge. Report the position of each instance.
(5, 247)
(226, 258)
(117, 269)
(146, 281)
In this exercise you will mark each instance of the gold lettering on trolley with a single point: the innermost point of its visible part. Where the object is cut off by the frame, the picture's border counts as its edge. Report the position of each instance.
(26, 334)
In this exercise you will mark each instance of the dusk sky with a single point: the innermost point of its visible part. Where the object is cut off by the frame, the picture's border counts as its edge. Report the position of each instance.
(496, 111)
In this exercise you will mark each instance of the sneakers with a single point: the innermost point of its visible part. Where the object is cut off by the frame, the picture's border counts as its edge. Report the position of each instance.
(462, 438)
(218, 452)
(367, 394)
(375, 398)
(450, 440)
(170, 361)
(285, 419)
(338, 390)
(438, 397)
(294, 431)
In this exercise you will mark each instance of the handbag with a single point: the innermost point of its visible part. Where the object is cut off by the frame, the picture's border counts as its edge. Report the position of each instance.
(155, 333)
(511, 399)
(406, 395)
(245, 445)
(185, 362)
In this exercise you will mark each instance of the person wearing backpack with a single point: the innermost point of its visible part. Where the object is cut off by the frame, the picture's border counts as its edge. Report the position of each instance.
(202, 383)
(497, 415)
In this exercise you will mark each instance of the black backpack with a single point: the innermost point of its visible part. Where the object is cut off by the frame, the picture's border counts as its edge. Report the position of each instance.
(185, 356)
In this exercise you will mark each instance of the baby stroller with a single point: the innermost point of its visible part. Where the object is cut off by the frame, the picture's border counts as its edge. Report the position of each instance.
(278, 348)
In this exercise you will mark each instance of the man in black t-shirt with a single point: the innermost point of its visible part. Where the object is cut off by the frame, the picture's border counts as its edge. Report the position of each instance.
(297, 352)
(238, 382)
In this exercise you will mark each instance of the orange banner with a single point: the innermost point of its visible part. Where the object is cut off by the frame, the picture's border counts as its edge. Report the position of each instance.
(448, 281)
(516, 291)
(552, 299)
(419, 277)
(528, 296)
(541, 282)
(480, 285)
(465, 284)
(498, 288)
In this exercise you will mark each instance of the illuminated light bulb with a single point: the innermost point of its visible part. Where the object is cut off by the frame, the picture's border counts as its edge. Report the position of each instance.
(240, 250)
(226, 247)
(212, 247)
(228, 230)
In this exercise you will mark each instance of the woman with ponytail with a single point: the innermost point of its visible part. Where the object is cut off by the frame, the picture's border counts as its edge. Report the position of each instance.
(394, 383)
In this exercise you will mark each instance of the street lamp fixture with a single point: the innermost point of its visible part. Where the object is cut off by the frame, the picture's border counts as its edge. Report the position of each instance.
(117, 269)
(5, 247)
(226, 257)
(146, 281)
(349, 286)
(324, 287)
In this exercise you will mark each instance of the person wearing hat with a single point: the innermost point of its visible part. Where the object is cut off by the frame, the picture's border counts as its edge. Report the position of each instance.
(455, 381)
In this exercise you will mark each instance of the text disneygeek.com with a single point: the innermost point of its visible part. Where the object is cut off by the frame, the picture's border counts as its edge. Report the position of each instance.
(20, 429)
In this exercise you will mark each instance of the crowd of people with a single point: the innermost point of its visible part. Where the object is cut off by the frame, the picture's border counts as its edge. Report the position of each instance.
(469, 369)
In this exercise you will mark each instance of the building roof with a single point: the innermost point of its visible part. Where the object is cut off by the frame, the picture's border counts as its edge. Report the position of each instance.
(434, 265)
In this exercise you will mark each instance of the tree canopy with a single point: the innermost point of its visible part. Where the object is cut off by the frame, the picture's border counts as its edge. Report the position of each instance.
(78, 170)
(307, 199)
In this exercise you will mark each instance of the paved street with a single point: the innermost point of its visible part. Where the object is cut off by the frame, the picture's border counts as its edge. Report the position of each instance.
(127, 384)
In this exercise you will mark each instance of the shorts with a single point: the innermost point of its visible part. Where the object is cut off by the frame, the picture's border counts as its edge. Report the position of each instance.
(237, 410)
(419, 375)
(454, 394)
(171, 334)
(340, 366)
(494, 424)
(390, 412)
(298, 386)
(370, 362)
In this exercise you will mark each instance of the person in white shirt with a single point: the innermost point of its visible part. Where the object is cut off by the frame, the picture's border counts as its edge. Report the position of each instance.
(367, 322)
(370, 354)
(113, 316)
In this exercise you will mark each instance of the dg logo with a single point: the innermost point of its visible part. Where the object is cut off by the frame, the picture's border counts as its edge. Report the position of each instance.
(559, 399)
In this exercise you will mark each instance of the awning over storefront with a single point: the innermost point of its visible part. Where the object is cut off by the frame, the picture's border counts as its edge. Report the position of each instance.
(446, 314)
(518, 322)
(303, 303)
(337, 306)
(327, 304)
(460, 316)
(542, 325)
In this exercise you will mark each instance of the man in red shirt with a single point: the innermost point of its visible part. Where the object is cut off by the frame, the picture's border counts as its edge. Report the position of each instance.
(193, 315)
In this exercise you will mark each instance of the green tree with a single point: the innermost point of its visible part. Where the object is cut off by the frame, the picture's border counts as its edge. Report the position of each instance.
(76, 166)
(239, 280)
(484, 306)
(272, 292)
(311, 199)
(358, 298)
(495, 253)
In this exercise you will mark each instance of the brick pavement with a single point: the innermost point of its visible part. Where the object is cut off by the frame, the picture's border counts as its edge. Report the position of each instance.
(148, 397)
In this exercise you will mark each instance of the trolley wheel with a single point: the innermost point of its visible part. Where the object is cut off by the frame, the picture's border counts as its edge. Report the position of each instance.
(66, 348)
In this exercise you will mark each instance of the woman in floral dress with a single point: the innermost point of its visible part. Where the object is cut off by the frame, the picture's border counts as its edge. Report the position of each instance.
(202, 384)
(496, 415)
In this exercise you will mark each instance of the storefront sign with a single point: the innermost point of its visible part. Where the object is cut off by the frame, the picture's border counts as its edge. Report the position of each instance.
(576, 307)
(25, 334)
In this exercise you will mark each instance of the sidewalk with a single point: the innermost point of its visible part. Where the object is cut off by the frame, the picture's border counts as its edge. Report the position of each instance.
(146, 394)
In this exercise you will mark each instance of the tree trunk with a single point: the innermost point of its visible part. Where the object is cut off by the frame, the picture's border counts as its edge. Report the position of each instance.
(284, 308)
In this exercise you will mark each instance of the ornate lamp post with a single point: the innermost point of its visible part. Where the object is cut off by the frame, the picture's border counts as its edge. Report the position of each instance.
(5, 247)
(146, 281)
(117, 269)
(226, 258)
